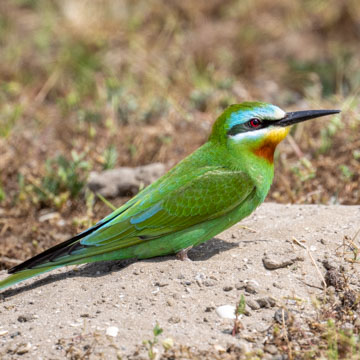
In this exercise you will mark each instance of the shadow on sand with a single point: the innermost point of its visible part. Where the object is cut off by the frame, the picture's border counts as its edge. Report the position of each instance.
(201, 252)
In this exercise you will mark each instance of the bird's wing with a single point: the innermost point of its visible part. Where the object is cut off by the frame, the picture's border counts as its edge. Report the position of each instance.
(167, 206)
(171, 207)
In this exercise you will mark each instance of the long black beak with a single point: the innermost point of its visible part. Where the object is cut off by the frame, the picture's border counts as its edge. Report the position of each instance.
(295, 117)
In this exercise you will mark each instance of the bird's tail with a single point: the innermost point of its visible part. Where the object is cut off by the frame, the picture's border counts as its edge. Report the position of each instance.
(23, 275)
(71, 252)
(46, 261)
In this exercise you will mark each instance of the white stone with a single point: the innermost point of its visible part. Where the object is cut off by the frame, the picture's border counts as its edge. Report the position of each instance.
(226, 311)
(112, 331)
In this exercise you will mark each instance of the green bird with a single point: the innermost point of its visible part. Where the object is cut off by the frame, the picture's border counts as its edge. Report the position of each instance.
(212, 189)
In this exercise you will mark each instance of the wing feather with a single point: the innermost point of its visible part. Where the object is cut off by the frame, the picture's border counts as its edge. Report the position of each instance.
(202, 198)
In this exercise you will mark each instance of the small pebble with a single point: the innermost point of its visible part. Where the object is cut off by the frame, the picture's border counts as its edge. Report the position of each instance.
(250, 288)
(48, 216)
(247, 310)
(272, 262)
(26, 318)
(266, 302)
(167, 343)
(227, 288)
(278, 316)
(208, 283)
(328, 264)
(112, 331)
(347, 327)
(357, 322)
(271, 349)
(23, 349)
(61, 223)
(252, 304)
(219, 348)
(174, 320)
(240, 285)
(226, 311)
(244, 346)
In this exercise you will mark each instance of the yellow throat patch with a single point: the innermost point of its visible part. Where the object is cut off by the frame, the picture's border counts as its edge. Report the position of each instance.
(268, 145)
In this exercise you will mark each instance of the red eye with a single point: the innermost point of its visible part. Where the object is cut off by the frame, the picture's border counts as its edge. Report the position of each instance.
(254, 123)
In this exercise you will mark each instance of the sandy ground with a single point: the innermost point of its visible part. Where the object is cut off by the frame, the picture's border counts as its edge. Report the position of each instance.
(69, 311)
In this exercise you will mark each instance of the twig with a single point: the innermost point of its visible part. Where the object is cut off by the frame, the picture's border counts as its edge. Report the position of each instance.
(286, 183)
(310, 285)
(312, 260)
(286, 334)
(355, 236)
(296, 241)
(10, 260)
(48, 85)
(247, 228)
(106, 202)
(295, 147)
(317, 268)
(3, 230)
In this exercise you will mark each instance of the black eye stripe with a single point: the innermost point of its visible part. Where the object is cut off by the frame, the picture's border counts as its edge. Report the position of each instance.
(242, 128)
(236, 129)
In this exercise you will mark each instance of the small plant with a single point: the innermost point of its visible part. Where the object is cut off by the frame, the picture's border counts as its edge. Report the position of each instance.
(8, 118)
(240, 309)
(63, 179)
(110, 157)
(304, 170)
(154, 110)
(331, 337)
(346, 173)
(200, 99)
(150, 344)
(327, 133)
(2, 193)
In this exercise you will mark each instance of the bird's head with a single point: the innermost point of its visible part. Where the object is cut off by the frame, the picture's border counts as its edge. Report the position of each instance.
(258, 127)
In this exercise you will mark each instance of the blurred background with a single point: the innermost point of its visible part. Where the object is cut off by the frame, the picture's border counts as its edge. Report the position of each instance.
(96, 84)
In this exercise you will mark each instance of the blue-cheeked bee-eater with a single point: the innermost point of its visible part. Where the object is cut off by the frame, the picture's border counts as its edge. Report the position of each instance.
(212, 189)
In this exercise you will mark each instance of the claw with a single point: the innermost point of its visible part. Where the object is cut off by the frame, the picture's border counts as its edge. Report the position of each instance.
(182, 254)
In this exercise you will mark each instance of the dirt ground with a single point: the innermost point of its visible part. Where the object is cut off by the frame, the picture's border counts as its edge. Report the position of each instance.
(107, 310)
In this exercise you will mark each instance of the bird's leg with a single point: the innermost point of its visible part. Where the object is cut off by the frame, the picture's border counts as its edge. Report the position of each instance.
(182, 254)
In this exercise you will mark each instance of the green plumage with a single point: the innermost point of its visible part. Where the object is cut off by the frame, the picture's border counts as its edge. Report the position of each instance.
(212, 189)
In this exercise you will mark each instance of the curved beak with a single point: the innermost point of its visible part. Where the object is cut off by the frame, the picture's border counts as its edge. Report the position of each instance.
(295, 117)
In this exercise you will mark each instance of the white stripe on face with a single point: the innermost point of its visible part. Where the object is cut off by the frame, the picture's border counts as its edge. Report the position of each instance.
(253, 135)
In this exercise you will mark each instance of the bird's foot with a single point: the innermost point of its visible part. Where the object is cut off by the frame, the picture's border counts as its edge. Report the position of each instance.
(182, 254)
